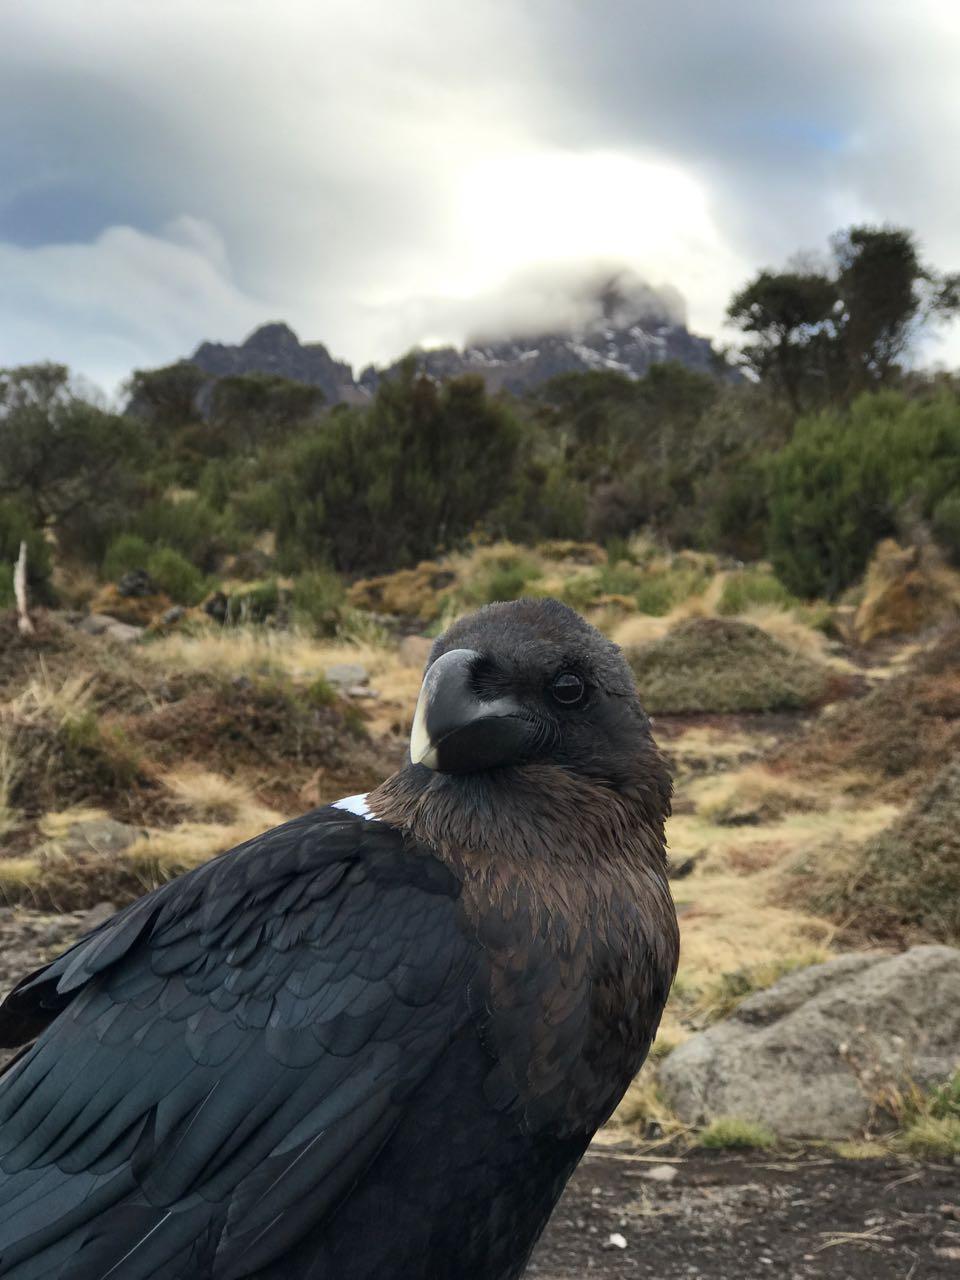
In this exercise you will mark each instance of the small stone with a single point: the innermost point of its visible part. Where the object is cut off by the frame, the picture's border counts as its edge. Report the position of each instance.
(94, 624)
(616, 1241)
(346, 675)
(103, 836)
(659, 1173)
(136, 582)
(123, 632)
(172, 615)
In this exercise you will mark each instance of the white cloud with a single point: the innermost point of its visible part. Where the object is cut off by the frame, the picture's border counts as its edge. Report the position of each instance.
(126, 300)
(378, 173)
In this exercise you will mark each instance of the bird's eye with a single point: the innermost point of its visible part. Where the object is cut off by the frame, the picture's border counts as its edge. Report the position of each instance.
(568, 689)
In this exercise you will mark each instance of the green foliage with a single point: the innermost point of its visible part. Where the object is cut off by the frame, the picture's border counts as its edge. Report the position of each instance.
(506, 575)
(748, 587)
(834, 332)
(836, 489)
(127, 551)
(176, 576)
(166, 398)
(385, 488)
(16, 527)
(60, 456)
(730, 1132)
(189, 526)
(257, 603)
(317, 598)
(946, 525)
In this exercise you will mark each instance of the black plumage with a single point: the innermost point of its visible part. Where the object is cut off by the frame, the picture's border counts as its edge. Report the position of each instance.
(363, 1046)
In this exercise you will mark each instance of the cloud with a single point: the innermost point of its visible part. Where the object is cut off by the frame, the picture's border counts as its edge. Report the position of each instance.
(125, 300)
(382, 173)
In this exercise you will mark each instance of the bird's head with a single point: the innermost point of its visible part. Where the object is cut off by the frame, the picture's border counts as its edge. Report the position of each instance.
(531, 686)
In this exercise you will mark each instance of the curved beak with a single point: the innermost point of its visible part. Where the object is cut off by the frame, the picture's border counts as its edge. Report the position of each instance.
(454, 731)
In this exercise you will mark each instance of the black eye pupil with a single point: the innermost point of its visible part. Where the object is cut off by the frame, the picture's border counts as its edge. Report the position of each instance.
(568, 689)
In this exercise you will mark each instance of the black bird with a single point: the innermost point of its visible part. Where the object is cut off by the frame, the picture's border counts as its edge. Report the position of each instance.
(373, 1043)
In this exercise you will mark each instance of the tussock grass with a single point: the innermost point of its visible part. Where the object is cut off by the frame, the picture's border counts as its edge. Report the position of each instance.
(715, 665)
(643, 1108)
(906, 880)
(206, 796)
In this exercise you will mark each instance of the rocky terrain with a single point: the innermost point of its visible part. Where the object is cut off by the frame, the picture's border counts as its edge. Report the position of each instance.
(621, 344)
(800, 1114)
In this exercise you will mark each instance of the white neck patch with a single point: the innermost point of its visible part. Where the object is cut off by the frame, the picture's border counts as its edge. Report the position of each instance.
(355, 804)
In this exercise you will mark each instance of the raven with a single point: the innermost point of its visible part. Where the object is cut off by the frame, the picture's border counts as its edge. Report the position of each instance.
(375, 1041)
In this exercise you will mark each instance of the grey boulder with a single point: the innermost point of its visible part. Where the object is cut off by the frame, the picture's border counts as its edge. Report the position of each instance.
(811, 1056)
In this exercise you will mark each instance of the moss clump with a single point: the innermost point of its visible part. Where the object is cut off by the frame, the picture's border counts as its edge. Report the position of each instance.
(907, 879)
(749, 588)
(726, 1132)
(717, 665)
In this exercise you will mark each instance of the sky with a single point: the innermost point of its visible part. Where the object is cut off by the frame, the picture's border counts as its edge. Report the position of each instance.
(381, 173)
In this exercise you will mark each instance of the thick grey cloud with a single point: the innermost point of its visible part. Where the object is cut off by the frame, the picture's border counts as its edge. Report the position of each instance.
(388, 173)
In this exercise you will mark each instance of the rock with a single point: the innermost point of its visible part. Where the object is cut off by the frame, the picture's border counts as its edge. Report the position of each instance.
(810, 1056)
(123, 632)
(414, 651)
(103, 836)
(137, 582)
(346, 675)
(173, 615)
(216, 606)
(94, 624)
(658, 1173)
(615, 1241)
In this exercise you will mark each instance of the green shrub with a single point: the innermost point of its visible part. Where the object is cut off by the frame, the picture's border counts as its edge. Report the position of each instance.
(16, 527)
(317, 597)
(840, 484)
(175, 575)
(257, 603)
(946, 525)
(189, 526)
(748, 587)
(127, 551)
(385, 487)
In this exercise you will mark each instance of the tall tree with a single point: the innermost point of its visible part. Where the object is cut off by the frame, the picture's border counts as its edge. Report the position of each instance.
(825, 335)
(58, 452)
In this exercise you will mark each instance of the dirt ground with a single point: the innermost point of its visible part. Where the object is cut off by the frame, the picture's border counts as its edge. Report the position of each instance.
(726, 1216)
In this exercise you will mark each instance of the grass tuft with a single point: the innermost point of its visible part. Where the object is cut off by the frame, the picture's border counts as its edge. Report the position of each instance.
(732, 1133)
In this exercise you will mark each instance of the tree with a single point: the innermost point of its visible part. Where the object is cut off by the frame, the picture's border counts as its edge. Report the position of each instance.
(380, 488)
(888, 296)
(252, 409)
(166, 397)
(58, 453)
(793, 316)
(823, 335)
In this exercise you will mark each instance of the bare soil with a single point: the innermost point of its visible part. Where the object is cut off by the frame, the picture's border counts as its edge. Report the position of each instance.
(742, 1216)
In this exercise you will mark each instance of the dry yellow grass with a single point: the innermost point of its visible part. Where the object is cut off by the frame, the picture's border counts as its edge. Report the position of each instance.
(754, 794)
(207, 797)
(56, 826)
